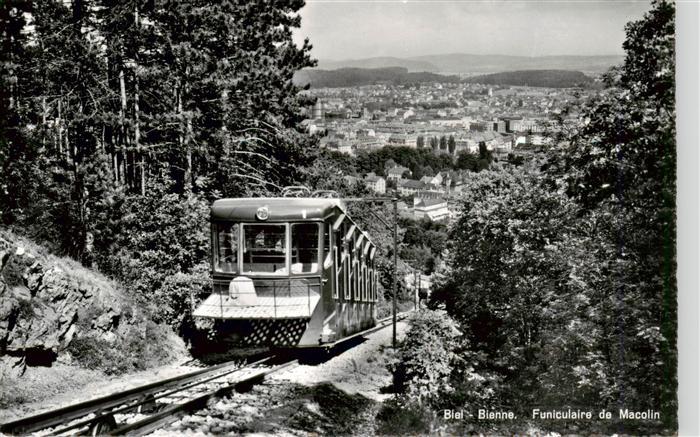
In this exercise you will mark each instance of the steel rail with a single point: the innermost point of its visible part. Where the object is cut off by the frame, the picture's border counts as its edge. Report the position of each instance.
(100, 416)
(66, 414)
(173, 413)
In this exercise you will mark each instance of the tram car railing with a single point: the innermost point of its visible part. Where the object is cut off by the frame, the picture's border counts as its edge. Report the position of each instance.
(268, 298)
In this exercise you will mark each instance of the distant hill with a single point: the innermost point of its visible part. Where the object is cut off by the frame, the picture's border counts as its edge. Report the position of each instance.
(461, 63)
(465, 63)
(535, 78)
(379, 62)
(346, 77)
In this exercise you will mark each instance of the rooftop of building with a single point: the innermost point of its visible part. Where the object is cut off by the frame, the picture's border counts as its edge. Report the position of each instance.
(410, 183)
(425, 202)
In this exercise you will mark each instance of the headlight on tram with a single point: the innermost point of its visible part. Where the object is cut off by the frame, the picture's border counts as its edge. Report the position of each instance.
(263, 213)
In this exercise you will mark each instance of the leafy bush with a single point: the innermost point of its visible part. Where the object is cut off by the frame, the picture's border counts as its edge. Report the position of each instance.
(179, 294)
(426, 357)
(155, 245)
(133, 350)
(433, 370)
(399, 418)
(98, 354)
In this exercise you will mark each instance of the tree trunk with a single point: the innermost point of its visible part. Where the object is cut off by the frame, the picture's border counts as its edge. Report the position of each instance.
(44, 110)
(122, 115)
(137, 137)
(115, 164)
(137, 114)
(185, 133)
(188, 141)
(59, 127)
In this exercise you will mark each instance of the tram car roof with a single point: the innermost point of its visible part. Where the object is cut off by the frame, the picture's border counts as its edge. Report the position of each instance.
(282, 209)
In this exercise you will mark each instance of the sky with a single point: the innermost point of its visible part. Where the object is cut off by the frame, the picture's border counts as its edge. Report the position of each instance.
(352, 29)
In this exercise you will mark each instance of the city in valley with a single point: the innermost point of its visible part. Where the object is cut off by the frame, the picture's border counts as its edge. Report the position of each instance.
(464, 127)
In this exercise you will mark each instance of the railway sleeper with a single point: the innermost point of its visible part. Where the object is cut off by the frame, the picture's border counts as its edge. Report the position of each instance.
(103, 425)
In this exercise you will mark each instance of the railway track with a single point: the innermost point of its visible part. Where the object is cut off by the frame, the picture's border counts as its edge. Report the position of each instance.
(141, 410)
(141, 407)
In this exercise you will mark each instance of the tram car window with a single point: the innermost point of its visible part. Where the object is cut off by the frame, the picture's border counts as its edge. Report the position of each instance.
(295, 272)
(264, 249)
(346, 272)
(360, 279)
(365, 282)
(348, 265)
(338, 270)
(353, 282)
(227, 259)
(327, 245)
(305, 247)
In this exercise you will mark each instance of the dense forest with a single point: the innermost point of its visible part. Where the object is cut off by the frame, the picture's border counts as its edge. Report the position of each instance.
(122, 120)
(109, 98)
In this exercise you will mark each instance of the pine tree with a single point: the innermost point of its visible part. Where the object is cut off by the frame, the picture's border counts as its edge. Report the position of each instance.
(17, 155)
(144, 92)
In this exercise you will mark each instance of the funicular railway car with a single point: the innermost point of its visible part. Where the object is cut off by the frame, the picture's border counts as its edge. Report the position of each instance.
(289, 272)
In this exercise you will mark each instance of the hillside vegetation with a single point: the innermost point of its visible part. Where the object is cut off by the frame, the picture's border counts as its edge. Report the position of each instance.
(379, 62)
(535, 78)
(346, 77)
(456, 63)
(561, 273)
(51, 306)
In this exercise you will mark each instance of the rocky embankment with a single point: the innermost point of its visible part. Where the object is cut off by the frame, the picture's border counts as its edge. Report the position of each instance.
(42, 302)
(53, 309)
